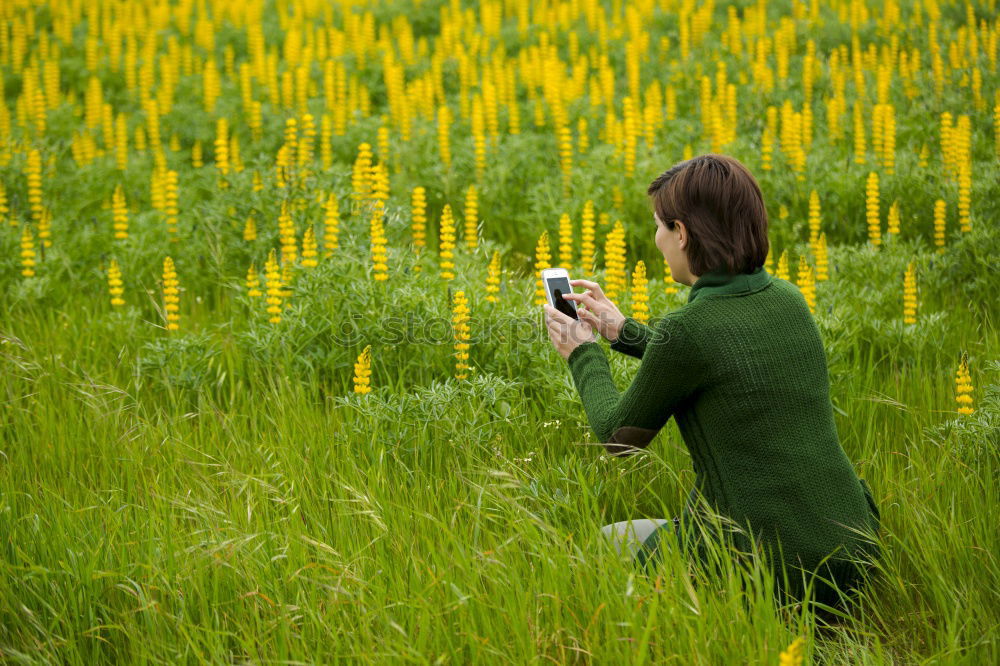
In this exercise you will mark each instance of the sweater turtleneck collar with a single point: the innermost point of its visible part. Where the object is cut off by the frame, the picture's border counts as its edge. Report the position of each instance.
(721, 282)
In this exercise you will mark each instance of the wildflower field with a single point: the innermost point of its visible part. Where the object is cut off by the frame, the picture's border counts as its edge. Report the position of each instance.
(274, 383)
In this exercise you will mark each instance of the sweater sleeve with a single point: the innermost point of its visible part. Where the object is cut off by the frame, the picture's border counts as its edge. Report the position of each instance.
(632, 338)
(671, 370)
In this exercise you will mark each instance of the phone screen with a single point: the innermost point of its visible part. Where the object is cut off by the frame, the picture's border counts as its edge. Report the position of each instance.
(557, 287)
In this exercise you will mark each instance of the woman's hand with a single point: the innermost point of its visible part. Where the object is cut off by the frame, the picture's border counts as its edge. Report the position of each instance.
(597, 309)
(565, 332)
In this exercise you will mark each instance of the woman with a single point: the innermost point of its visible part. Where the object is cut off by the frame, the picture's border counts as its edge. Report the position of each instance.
(742, 370)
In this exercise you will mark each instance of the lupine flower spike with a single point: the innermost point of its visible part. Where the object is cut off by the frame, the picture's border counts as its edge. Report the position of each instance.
(493, 278)
(363, 371)
(272, 274)
(253, 282)
(792, 655)
(171, 295)
(542, 257)
(115, 287)
(910, 294)
(460, 326)
(963, 387)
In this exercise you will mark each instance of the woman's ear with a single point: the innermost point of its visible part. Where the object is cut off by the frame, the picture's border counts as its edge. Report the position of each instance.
(682, 234)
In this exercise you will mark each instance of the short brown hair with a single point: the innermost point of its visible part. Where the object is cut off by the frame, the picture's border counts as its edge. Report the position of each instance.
(720, 203)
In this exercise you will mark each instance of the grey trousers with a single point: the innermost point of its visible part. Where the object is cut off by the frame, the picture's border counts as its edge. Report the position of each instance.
(629, 535)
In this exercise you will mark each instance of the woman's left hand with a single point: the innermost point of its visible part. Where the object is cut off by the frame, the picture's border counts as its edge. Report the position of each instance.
(565, 332)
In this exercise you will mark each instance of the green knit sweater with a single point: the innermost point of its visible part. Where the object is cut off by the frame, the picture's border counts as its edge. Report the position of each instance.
(742, 370)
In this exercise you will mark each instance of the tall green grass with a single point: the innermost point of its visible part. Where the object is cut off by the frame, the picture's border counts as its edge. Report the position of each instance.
(199, 500)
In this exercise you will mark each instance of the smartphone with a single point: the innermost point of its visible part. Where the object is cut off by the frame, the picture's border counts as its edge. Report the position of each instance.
(556, 283)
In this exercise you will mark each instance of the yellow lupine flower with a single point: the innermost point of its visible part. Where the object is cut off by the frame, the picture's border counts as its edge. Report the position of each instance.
(964, 196)
(286, 234)
(444, 136)
(418, 222)
(892, 221)
(822, 262)
(471, 217)
(45, 228)
(197, 160)
(460, 326)
(565, 241)
(542, 257)
(807, 283)
(119, 213)
(222, 150)
(814, 217)
(640, 296)
(331, 225)
(614, 261)
(250, 230)
(253, 282)
(363, 371)
(5, 208)
(963, 387)
(115, 287)
(378, 244)
(588, 250)
(565, 143)
(33, 172)
(910, 294)
(361, 174)
(446, 243)
(272, 274)
(670, 287)
(171, 294)
(792, 655)
(872, 209)
(170, 205)
(309, 248)
(940, 220)
(493, 278)
(27, 252)
(478, 131)
(783, 263)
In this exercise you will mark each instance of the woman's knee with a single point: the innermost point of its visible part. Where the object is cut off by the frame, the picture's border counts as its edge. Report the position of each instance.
(629, 535)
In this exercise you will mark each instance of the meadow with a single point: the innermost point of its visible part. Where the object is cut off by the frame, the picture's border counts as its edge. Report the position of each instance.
(274, 381)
